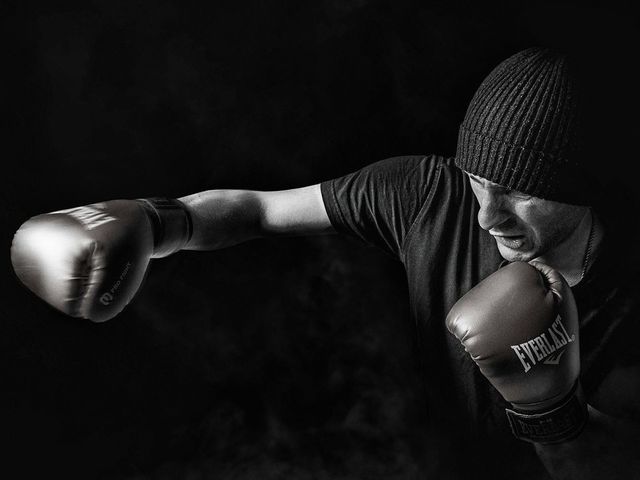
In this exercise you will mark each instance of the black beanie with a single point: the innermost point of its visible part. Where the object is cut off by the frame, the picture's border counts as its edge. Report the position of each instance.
(521, 128)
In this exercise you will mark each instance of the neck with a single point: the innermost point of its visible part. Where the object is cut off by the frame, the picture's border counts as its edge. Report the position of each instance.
(569, 257)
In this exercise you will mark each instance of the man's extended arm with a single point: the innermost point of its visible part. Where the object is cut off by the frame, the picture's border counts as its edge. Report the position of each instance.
(90, 261)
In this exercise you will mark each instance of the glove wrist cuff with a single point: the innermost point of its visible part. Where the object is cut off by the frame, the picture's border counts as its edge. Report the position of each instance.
(563, 422)
(171, 223)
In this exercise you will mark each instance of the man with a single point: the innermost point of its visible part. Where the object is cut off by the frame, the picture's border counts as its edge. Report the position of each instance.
(515, 191)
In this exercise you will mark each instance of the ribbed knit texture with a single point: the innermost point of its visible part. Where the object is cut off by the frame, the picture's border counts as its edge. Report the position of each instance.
(521, 130)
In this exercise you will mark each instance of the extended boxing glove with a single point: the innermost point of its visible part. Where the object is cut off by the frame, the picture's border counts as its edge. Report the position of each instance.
(520, 326)
(90, 261)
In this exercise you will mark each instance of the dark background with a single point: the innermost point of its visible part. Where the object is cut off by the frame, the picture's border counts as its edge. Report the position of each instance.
(288, 358)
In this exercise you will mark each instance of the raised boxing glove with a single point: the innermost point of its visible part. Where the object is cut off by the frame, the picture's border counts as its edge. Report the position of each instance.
(90, 261)
(520, 326)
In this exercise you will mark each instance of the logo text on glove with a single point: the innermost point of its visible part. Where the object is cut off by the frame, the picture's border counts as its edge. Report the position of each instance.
(547, 347)
(107, 297)
(88, 216)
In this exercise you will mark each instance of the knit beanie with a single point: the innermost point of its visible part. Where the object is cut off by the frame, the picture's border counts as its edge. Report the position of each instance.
(521, 128)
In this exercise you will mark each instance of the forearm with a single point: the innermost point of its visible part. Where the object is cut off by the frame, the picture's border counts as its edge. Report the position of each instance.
(222, 218)
(607, 448)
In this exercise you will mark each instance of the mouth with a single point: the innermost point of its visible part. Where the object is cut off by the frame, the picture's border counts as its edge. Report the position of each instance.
(510, 241)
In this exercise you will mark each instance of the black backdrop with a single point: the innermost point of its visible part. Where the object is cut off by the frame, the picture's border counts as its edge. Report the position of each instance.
(288, 358)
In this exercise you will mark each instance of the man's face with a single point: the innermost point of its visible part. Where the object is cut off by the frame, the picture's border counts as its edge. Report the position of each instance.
(523, 226)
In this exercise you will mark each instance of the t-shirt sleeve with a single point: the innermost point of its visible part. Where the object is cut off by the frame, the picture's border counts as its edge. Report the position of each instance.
(379, 203)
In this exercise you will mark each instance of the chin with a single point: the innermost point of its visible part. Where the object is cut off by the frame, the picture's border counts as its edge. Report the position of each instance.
(515, 255)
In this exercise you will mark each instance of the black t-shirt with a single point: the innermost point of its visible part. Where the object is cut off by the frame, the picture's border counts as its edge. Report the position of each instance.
(421, 210)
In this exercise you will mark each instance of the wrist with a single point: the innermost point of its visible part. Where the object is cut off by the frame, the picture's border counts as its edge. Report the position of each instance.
(171, 224)
(559, 423)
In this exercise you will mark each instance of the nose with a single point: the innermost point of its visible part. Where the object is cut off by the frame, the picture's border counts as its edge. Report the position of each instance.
(494, 209)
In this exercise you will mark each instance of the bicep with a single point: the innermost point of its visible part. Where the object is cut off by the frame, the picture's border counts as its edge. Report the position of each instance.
(298, 211)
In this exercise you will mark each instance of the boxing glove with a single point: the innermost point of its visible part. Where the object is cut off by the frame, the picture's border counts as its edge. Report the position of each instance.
(520, 326)
(90, 261)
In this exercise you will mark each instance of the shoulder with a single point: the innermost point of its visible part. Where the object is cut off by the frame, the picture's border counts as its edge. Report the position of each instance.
(411, 164)
(381, 201)
(427, 180)
(426, 171)
(406, 178)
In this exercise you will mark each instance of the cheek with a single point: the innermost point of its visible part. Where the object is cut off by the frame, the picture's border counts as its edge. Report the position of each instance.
(535, 221)
(544, 226)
